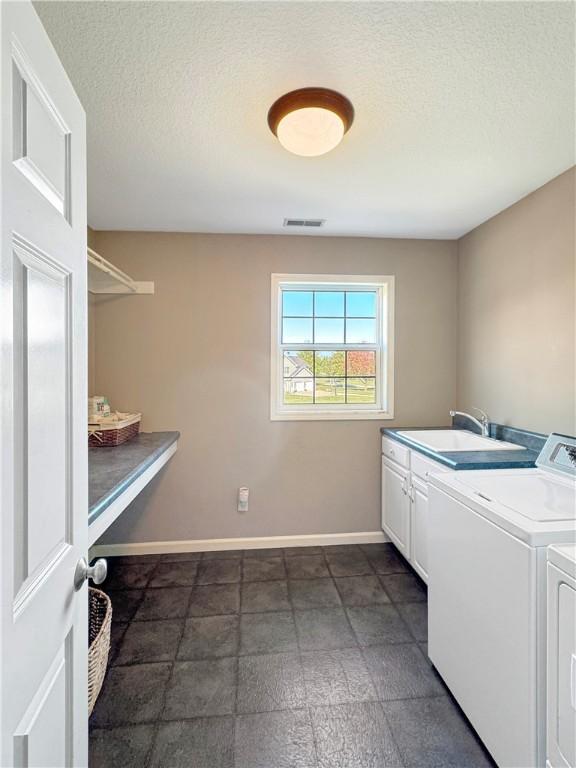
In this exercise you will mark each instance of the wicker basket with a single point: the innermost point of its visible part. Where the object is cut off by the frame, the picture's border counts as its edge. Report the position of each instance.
(112, 432)
(100, 618)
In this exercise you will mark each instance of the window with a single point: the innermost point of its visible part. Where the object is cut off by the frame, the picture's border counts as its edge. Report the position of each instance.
(332, 346)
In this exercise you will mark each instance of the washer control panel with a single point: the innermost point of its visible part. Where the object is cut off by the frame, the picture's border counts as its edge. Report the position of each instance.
(558, 455)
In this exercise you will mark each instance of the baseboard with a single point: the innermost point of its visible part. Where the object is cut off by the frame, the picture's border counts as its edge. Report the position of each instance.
(215, 545)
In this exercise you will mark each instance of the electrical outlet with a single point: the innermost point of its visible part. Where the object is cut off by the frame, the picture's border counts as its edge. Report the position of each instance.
(243, 494)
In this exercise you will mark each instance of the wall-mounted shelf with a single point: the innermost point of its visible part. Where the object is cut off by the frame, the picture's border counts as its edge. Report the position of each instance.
(104, 277)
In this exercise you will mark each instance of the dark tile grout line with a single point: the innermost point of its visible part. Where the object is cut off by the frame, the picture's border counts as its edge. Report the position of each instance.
(294, 611)
(279, 552)
(300, 658)
(161, 721)
(368, 667)
(240, 584)
(355, 647)
(194, 582)
(150, 754)
(117, 647)
(312, 731)
(399, 751)
(238, 646)
(301, 668)
(408, 627)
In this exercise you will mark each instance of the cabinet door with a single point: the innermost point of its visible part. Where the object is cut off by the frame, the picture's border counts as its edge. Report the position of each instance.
(396, 505)
(419, 524)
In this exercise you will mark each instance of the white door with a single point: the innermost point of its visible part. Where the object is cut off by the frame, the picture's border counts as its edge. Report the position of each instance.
(43, 620)
(396, 505)
(419, 523)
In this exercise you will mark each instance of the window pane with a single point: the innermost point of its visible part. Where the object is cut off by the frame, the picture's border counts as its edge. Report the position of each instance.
(360, 390)
(329, 304)
(360, 331)
(330, 363)
(297, 331)
(360, 362)
(361, 304)
(329, 331)
(297, 303)
(330, 391)
(298, 391)
(298, 364)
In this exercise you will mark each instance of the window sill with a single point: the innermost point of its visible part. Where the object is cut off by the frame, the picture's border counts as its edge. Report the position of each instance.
(332, 416)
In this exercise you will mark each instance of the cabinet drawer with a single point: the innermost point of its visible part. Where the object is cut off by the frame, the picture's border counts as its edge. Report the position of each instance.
(421, 466)
(396, 452)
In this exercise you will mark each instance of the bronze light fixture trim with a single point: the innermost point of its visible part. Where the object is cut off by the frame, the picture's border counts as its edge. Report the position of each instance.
(310, 121)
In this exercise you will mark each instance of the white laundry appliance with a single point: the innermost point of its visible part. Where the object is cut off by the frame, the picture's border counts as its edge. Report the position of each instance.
(561, 668)
(488, 535)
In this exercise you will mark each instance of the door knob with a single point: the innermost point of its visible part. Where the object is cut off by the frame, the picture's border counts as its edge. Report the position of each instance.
(96, 572)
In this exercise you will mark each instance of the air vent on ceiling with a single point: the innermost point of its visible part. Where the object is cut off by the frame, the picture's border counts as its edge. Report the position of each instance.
(304, 222)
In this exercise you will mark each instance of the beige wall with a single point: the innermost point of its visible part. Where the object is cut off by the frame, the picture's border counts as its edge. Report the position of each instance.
(195, 357)
(517, 313)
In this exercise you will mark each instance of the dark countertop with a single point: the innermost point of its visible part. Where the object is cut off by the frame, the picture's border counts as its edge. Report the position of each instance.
(523, 458)
(112, 470)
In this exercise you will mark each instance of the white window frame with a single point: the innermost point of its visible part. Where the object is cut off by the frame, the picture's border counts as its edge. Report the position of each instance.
(384, 348)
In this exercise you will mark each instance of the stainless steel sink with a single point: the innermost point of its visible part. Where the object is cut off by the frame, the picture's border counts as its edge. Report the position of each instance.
(456, 440)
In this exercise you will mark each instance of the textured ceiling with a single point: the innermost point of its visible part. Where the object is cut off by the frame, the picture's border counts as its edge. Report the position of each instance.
(462, 108)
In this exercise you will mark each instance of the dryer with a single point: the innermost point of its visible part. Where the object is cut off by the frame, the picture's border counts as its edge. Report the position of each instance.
(488, 535)
(561, 648)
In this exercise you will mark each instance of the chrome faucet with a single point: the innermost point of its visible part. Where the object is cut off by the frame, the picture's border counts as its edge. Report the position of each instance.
(482, 422)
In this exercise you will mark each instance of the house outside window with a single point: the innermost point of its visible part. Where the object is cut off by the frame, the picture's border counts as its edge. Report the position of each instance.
(332, 347)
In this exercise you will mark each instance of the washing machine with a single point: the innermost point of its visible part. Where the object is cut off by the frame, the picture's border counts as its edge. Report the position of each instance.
(488, 537)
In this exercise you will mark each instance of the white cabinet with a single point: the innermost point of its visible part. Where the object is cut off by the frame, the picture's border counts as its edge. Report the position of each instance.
(561, 698)
(396, 505)
(405, 501)
(419, 526)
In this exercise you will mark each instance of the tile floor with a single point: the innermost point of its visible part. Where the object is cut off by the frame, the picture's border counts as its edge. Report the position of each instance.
(294, 658)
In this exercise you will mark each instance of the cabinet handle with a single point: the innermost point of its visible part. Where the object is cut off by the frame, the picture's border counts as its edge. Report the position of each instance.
(404, 488)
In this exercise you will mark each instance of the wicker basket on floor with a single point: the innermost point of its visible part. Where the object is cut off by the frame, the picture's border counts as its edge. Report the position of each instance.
(100, 619)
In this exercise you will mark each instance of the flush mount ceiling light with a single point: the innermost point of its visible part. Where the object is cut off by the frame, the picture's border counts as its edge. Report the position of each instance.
(310, 121)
